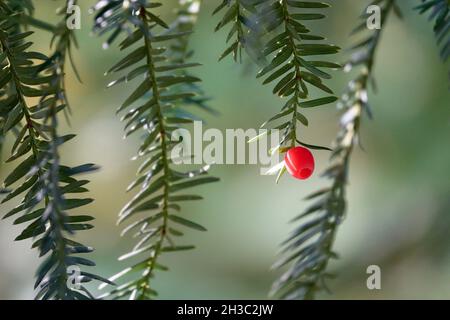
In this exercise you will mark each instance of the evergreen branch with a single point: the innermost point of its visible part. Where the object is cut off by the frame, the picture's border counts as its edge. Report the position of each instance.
(180, 53)
(245, 33)
(18, 6)
(439, 12)
(309, 247)
(28, 20)
(24, 10)
(64, 39)
(289, 45)
(294, 74)
(46, 183)
(162, 91)
(293, 43)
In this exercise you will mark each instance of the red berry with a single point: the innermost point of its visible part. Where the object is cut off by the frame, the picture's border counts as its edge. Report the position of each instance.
(299, 162)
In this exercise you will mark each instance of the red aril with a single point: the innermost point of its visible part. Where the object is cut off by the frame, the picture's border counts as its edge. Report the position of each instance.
(299, 162)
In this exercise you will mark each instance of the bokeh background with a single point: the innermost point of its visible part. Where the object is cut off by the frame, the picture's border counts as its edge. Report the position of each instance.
(399, 204)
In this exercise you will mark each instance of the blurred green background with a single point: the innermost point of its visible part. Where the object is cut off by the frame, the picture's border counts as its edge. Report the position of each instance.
(399, 204)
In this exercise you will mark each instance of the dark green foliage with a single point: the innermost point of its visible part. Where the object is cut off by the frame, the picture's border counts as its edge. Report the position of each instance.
(291, 70)
(288, 46)
(180, 53)
(23, 14)
(64, 40)
(49, 189)
(157, 60)
(18, 6)
(273, 33)
(293, 74)
(245, 33)
(439, 12)
(310, 246)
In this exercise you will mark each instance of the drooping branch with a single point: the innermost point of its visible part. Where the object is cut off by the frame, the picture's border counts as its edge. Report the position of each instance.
(154, 110)
(310, 246)
(290, 69)
(439, 12)
(245, 33)
(46, 183)
(288, 45)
